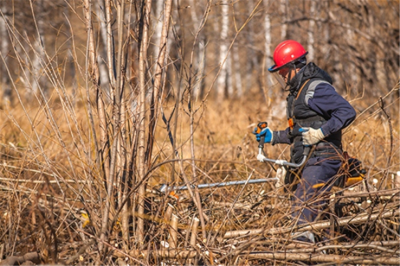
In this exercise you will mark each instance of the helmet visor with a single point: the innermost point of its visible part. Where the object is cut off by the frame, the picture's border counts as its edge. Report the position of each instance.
(280, 80)
(283, 75)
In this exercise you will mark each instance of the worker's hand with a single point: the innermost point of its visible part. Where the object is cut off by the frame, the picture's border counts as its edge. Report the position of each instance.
(266, 133)
(311, 136)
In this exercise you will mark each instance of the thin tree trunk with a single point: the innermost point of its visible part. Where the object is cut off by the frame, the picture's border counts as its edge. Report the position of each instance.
(104, 82)
(115, 156)
(39, 47)
(238, 73)
(159, 14)
(196, 197)
(5, 42)
(311, 26)
(200, 61)
(251, 61)
(199, 85)
(268, 55)
(120, 173)
(283, 8)
(160, 69)
(229, 76)
(104, 78)
(110, 46)
(142, 111)
(221, 83)
(133, 112)
(94, 76)
(126, 176)
(100, 9)
(108, 76)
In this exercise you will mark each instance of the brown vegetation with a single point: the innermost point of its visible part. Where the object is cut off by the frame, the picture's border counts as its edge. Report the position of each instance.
(110, 105)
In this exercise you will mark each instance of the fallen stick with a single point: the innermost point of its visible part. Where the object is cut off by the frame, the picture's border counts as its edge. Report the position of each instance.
(247, 206)
(311, 226)
(391, 192)
(336, 259)
(306, 246)
(279, 255)
(44, 181)
(162, 253)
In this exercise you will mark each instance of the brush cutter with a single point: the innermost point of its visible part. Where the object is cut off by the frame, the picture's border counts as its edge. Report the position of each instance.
(165, 188)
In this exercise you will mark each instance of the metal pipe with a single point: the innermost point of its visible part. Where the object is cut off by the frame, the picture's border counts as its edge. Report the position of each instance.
(164, 188)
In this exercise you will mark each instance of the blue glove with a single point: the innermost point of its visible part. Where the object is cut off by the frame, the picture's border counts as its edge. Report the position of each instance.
(266, 133)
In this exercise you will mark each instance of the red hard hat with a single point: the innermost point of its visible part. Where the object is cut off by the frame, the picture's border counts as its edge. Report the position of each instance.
(286, 52)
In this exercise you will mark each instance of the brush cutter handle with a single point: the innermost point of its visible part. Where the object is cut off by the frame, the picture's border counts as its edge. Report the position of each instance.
(262, 158)
(260, 127)
(261, 142)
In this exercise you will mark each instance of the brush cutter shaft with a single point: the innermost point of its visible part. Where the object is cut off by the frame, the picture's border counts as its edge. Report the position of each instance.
(165, 188)
(262, 158)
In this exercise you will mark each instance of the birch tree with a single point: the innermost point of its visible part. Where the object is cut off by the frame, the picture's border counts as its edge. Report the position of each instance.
(159, 71)
(251, 62)
(222, 78)
(106, 36)
(39, 47)
(5, 43)
(200, 59)
(158, 25)
(142, 114)
(267, 48)
(237, 70)
(310, 45)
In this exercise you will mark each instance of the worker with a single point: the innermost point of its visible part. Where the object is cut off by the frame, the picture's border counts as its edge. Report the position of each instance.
(316, 114)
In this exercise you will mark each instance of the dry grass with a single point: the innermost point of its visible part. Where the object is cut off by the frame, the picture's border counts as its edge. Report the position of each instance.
(49, 176)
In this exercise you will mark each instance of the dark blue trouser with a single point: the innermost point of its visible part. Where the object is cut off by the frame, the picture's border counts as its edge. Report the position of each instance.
(306, 200)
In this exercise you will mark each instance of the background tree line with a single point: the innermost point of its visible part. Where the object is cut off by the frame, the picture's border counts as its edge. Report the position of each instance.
(356, 41)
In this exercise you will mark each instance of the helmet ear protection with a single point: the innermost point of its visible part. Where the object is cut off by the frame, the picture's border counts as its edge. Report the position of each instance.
(286, 53)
